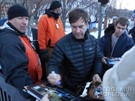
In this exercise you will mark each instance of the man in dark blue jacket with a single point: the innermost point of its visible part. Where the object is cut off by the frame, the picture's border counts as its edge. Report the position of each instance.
(77, 56)
(115, 42)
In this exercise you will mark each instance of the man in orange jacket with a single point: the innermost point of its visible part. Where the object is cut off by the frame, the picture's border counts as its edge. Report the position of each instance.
(50, 30)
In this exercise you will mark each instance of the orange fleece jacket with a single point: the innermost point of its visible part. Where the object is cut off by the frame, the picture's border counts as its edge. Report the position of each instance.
(49, 31)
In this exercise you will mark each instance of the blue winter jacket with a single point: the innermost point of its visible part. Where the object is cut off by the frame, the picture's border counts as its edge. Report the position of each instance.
(123, 44)
(76, 59)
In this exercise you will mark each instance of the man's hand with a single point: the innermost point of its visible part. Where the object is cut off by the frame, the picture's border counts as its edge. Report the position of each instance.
(54, 78)
(45, 98)
(96, 78)
(104, 60)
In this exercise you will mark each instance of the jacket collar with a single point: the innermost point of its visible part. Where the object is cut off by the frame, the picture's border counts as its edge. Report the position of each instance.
(109, 31)
(13, 28)
(82, 40)
(52, 14)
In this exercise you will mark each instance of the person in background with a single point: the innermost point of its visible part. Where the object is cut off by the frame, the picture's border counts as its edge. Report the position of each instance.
(19, 62)
(119, 81)
(76, 58)
(50, 30)
(132, 30)
(115, 42)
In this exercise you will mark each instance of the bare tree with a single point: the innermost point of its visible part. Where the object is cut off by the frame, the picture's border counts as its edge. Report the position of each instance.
(90, 5)
(2, 7)
(37, 7)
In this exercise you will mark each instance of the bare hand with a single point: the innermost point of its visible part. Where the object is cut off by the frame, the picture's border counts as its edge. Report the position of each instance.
(45, 98)
(104, 60)
(96, 78)
(54, 78)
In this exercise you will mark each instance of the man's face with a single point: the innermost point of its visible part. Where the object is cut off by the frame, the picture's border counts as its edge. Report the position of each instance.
(119, 29)
(79, 28)
(58, 10)
(20, 23)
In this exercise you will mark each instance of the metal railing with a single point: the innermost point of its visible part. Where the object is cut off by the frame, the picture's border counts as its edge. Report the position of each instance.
(4, 96)
(9, 92)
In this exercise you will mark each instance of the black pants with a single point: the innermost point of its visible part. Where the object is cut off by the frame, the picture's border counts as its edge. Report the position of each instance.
(44, 67)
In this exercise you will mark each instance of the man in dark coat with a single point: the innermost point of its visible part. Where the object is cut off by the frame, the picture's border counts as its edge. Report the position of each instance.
(115, 42)
(77, 56)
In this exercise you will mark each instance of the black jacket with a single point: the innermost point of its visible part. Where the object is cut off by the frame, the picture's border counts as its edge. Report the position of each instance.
(123, 44)
(13, 60)
(77, 60)
(132, 32)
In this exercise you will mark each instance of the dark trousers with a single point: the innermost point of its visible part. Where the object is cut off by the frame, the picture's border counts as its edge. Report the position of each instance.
(44, 67)
(44, 62)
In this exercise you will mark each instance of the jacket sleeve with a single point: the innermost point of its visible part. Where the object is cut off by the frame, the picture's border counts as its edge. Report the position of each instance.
(14, 63)
(56, 59)
(102, 44)
(42, 37)
(130, 43)
(98, 60)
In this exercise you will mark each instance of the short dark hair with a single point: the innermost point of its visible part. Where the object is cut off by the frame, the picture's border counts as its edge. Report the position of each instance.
(78, 13)
(123, 21)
